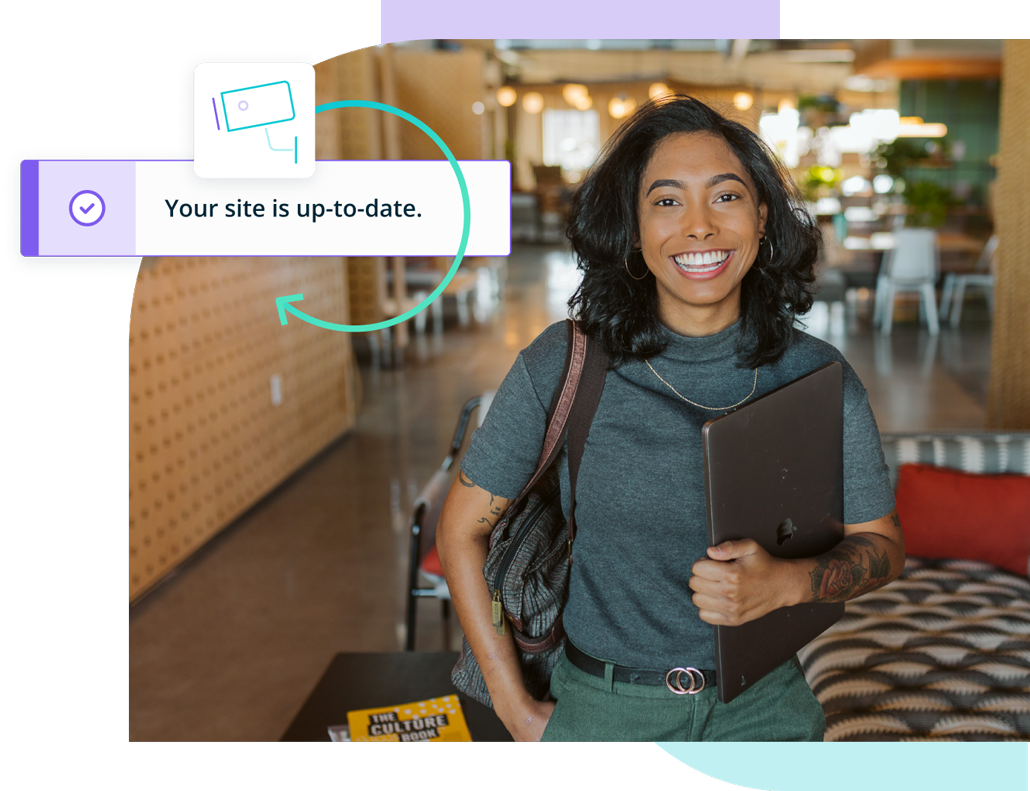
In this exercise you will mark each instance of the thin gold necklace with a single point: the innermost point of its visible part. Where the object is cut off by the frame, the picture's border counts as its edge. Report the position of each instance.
(702, 406)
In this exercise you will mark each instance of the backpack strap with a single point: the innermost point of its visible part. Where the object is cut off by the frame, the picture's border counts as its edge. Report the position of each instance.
(591, 385)
(574, 402)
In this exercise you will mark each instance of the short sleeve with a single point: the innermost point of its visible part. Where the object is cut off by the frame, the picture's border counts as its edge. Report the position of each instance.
(504, 451)
(867, 489)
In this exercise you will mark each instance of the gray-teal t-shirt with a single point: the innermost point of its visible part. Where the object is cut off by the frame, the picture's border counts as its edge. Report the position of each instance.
(640, 510)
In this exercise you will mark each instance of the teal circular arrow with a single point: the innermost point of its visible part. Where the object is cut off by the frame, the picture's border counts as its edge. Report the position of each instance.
(283, 303)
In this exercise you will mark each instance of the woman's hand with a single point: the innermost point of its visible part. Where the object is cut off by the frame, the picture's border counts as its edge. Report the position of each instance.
(463, 535)
(741, 582)
(527, 722)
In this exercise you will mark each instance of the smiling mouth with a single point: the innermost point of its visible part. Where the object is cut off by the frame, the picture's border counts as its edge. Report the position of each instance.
(701, 263)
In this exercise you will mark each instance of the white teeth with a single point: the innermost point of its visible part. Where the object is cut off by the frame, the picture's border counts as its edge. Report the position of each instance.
(701, 262)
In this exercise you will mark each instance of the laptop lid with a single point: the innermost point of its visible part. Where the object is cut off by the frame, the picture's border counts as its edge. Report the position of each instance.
(774, 472)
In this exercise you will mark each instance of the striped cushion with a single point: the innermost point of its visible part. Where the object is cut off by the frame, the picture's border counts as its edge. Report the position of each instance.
(983, 452)
(942, 653)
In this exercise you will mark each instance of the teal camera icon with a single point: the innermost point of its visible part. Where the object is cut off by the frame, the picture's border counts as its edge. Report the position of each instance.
(258, 105)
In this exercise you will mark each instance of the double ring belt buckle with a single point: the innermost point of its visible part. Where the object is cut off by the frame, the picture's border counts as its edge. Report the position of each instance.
(676, 687)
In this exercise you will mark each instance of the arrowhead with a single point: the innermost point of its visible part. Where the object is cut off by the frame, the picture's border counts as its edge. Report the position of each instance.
(281, 304)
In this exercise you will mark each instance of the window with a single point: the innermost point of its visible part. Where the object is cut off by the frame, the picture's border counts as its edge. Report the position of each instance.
(572, 139)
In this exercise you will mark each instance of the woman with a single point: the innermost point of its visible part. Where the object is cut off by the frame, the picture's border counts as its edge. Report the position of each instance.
(697, 258)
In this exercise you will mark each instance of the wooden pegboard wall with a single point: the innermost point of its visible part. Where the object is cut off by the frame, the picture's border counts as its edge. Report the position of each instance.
(366, 279)
(439, 88)
(205, 441)
(353, 133)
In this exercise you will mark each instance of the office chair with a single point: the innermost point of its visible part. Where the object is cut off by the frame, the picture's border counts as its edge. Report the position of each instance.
(911, 266)
(982, 276)
(426, 513)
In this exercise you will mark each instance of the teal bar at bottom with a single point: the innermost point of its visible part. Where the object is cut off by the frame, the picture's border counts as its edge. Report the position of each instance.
(861, 766)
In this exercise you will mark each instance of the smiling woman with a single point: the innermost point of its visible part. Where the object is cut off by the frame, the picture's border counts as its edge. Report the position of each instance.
(696, 258)
(650, 182)
(700, 228)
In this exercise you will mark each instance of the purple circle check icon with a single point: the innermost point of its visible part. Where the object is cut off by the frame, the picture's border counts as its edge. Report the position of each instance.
(87, 207)
(243, 104)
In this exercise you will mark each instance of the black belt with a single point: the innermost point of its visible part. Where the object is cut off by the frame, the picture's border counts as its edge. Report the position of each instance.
(675, 679)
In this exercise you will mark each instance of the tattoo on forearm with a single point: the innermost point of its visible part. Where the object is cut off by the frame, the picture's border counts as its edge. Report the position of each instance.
(495, 514)
(895, 519)
(852, 569)
(465, 479)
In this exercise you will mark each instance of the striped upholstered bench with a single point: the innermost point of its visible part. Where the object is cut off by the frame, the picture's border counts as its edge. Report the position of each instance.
(943, 652)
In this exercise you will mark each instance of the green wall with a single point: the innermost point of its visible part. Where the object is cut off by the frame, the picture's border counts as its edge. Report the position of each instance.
(969, 108)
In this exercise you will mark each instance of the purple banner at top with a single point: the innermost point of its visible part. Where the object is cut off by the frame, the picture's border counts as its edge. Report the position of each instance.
(411, 20)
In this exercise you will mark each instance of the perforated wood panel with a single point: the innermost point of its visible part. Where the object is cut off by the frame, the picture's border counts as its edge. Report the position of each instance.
(1008, 404)
(366, 279)
(439, 88)
(351, 132)
(205, 440)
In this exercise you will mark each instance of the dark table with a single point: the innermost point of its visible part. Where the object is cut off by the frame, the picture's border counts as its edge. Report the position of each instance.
(366, 681)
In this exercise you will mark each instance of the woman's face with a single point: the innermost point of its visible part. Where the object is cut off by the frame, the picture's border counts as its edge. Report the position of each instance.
(700, 226)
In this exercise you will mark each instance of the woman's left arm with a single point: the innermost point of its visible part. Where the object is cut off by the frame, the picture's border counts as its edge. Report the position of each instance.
(740, 581)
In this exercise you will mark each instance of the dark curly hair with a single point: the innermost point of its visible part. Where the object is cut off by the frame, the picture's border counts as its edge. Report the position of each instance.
(622, 312)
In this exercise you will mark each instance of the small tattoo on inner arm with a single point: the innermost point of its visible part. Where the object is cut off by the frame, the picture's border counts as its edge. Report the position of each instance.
(465, 479)
(495, 510)
(895, 519)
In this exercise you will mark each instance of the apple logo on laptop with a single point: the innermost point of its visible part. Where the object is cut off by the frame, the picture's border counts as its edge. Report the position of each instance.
(785, 531)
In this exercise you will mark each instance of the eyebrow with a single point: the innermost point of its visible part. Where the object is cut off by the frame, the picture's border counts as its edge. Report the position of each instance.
(708, 184)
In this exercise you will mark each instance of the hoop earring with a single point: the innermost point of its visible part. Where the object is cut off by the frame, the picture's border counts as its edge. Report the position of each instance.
(772, 251)
(625, 263)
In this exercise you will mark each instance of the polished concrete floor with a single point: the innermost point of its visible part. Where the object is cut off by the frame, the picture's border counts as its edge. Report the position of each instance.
(229, 646)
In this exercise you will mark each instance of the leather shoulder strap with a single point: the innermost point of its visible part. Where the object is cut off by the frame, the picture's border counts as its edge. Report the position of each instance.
(561, 403)
(573, 405)
(591, 385)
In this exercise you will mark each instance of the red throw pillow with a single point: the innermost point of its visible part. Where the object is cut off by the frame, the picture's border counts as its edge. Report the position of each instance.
(953, 514)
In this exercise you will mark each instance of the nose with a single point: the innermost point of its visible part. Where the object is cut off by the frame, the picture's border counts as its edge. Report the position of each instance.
(698, 222)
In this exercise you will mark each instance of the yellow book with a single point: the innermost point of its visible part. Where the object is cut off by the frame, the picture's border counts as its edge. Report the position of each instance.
(433, 720)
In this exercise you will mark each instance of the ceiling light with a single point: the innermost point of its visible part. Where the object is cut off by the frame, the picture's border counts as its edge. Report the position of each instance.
(573, 93)
(742, 100)
(506, 96)
(621, 106)
(922, 130)
(533, 102)
(477, 108)
(657, 90)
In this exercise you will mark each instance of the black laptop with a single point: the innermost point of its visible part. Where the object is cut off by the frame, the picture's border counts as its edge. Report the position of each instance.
(774, 473)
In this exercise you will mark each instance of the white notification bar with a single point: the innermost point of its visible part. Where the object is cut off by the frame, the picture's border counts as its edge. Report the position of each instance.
(356, 208)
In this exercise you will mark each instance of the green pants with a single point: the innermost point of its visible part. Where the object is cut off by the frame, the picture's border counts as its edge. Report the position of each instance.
(780, 707)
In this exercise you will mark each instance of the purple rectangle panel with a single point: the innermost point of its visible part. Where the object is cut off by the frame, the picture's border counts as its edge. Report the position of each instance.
(29, 207)
(412, 20)
(86, 208)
